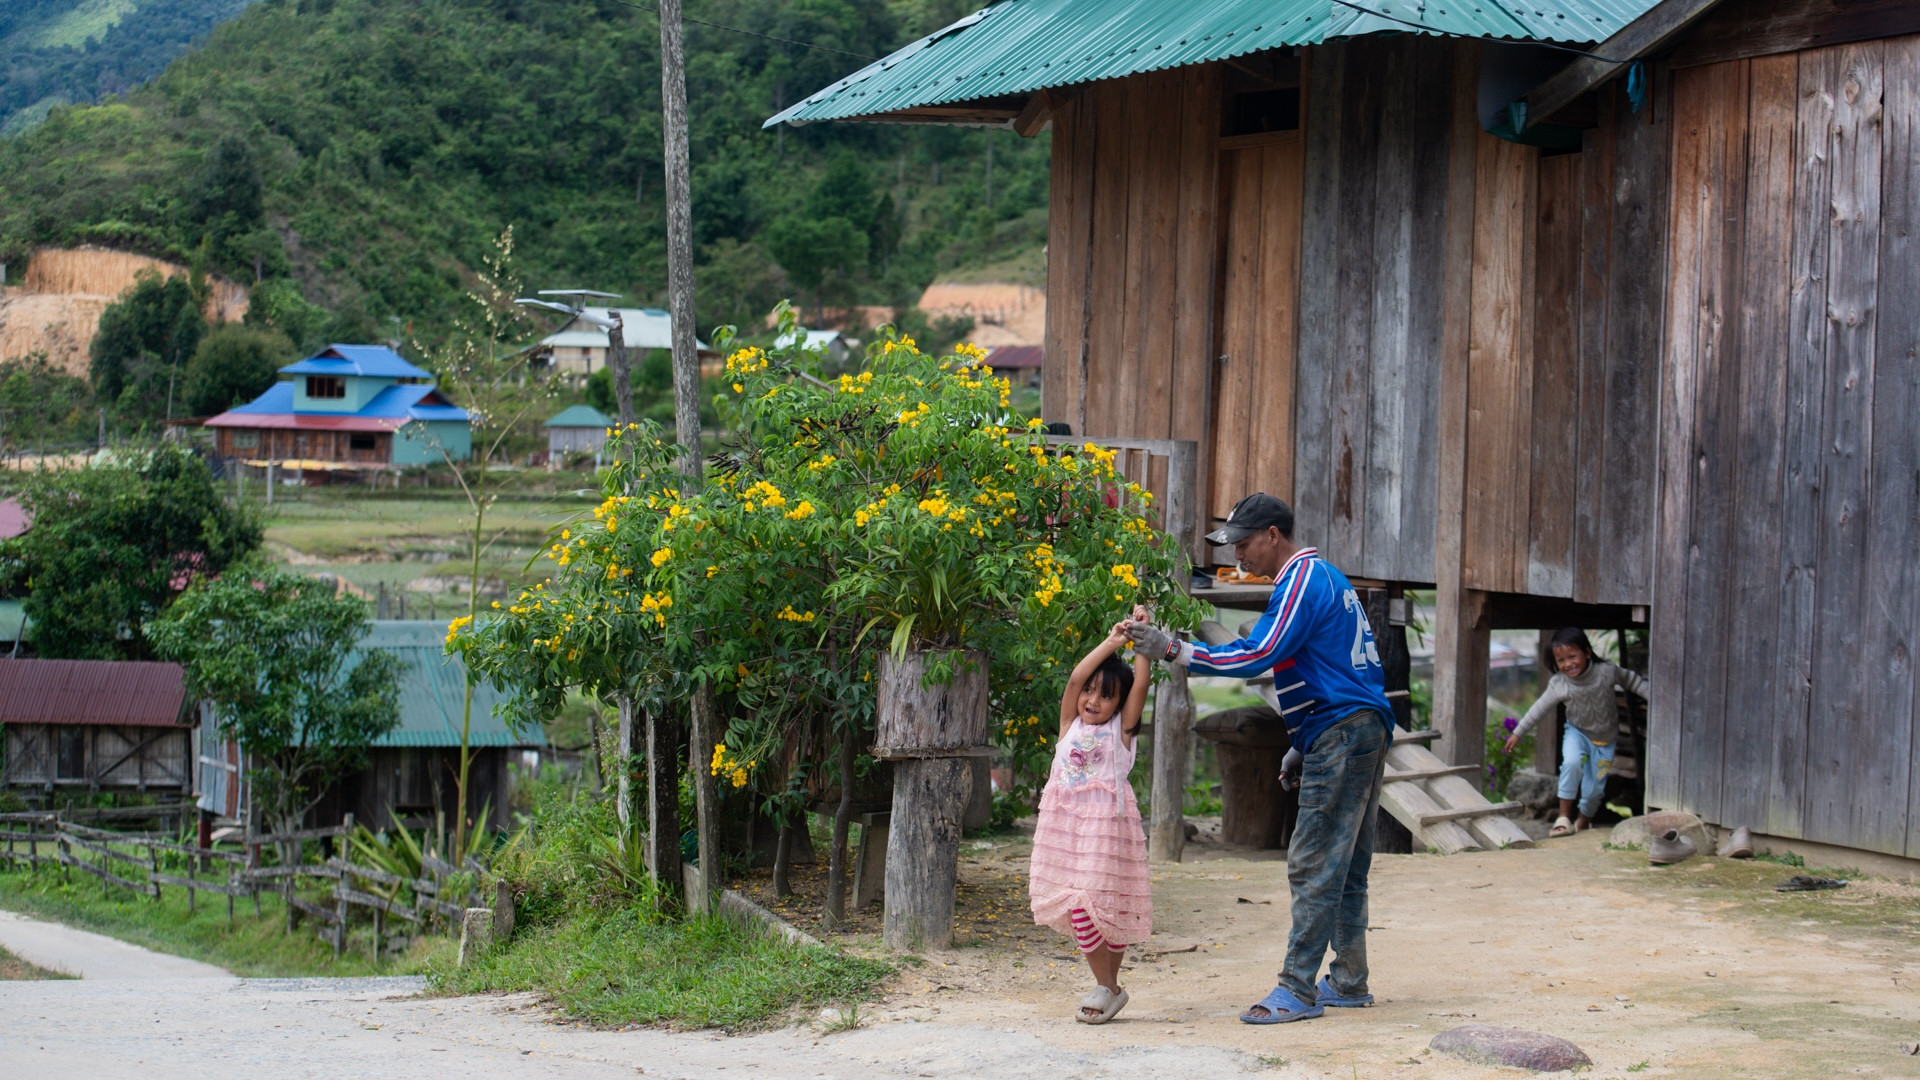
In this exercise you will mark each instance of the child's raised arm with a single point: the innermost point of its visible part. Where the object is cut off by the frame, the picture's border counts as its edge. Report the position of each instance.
(1136, 702)
(1070, 697)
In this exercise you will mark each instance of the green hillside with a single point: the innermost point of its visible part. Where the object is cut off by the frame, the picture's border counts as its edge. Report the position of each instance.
(57, 52)
(360, 154)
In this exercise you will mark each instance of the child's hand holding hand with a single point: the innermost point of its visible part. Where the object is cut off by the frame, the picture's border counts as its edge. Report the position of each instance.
(1140, 614)
(1512, 741)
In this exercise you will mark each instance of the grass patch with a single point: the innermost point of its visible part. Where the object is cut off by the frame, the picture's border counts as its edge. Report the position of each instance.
(627, 966)
(1888, 911)
(14, 969)
(255, 945)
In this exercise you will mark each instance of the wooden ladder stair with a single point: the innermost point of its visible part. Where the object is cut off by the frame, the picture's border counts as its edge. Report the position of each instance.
(1438, 804)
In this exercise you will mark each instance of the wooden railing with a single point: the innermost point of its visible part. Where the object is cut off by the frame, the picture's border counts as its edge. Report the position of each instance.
(1169, 468)
(132, 861)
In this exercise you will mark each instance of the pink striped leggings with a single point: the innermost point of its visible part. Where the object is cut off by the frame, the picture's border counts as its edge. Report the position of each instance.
(1086, 935)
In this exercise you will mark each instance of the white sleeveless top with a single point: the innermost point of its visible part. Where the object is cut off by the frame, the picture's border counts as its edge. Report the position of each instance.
(1094, 758)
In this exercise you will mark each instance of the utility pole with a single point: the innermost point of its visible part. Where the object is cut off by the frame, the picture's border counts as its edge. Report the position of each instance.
(686, 402)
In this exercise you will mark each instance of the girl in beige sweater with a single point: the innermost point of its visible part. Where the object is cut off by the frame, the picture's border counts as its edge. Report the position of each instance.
(1585, 684)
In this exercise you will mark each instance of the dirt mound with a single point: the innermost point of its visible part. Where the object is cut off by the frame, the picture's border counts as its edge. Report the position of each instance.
(56, 307)
(1002, 313)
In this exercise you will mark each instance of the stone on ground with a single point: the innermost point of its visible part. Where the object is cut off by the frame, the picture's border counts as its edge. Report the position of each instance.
(1638, 831)
(1492, 1045)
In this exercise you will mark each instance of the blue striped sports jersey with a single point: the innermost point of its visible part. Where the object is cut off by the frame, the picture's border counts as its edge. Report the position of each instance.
(1316, 640)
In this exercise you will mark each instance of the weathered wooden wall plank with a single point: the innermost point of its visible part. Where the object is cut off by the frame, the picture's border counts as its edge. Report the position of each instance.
(1325, 80)
(1499, 347)
(1786, 780)
(1193, 388)
(1555, 449)
(1240, 187)
(1107, 281)
(1718, 107)
(1591, 547)
(1750, 640)
(1896, 376)
(1342, 463)
(1380, 480)
(1635, 314)
(1430, 89)
(1854, 787)
(1667, 765)
(1893, 572)
(1275, 329)
(1069, 250)
(1767, 27)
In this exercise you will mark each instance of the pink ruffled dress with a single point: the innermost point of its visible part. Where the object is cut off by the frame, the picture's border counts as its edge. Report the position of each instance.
(1089, 851)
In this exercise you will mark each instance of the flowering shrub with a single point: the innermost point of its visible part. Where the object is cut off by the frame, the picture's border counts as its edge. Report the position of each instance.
(900, 507)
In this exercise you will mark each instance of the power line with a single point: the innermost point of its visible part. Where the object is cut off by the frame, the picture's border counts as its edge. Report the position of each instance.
(752, 33)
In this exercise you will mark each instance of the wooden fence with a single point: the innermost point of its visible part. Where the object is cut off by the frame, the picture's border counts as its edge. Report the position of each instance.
(133, 861)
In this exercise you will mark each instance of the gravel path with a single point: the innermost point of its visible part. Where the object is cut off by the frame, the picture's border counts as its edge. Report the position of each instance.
(378, 1029)
(92, 956)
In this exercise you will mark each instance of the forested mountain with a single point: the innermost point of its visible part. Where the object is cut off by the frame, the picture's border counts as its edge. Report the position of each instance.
(361, 154)
(57, 52)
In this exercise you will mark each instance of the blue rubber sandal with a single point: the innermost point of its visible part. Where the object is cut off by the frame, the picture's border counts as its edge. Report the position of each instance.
(1282, 1008)
(1327, 996)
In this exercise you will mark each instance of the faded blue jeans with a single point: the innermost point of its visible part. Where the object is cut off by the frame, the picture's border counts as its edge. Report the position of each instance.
(1584, 765)
(1331, 852)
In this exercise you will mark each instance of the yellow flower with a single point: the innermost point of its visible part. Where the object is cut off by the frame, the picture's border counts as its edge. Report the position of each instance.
(660, 557)
(1124, 572)
(459, 624)
(805, 509)
(935, 504)
(738, 389)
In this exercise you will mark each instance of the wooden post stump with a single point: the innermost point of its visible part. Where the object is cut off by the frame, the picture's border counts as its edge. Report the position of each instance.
(1172, 724)
(933, 732)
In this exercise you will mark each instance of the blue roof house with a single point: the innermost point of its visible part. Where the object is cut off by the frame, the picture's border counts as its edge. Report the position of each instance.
(347, 407)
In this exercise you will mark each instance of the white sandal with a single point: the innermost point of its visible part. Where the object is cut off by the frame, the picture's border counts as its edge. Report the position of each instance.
(1098, 999)
(1115, 1003)
(1561, 827)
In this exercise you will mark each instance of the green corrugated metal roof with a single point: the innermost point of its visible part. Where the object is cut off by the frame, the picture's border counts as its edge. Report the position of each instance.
(581, 416)
(1018, 46)
(433, 688)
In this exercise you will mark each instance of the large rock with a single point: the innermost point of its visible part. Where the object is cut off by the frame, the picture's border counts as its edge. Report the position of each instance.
(1491, 1045)
(1537, 792)
(1637, 831)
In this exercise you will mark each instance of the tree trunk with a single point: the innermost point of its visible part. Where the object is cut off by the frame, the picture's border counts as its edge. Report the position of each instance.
(618, 370)
(1172, 719)
(663, 800)
(594, 761)
(842, 824)
(933, 730)
(623, 779)
(923, 852)
(783, 858)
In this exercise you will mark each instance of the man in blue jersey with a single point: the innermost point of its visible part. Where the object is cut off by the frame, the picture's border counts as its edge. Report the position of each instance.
(1316, 641)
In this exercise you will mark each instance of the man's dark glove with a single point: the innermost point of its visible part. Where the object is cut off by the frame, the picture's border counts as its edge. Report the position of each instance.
(1150, 641)
(1290, 769)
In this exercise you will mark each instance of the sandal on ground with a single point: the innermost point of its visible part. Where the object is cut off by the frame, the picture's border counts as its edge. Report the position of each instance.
(1282, 1008)
(1327, 996)
(1562, 826)
(1116, 1000)
(1582, 825)
(1097, 999)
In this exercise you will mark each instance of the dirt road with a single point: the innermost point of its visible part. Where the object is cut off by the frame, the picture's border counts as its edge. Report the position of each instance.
(1700, 970)
(87, 955)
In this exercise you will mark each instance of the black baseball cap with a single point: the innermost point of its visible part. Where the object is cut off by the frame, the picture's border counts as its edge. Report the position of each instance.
(1255, 513)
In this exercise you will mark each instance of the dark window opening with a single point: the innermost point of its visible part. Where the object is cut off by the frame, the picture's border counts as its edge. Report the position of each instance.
(1260, 111)
(361, 440)
(70, 754)
(326, 386)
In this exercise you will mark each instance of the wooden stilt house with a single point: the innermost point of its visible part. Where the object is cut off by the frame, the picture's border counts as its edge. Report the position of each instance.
(1598, 312)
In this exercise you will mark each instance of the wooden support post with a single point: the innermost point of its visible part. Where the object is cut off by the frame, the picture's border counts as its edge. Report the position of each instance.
(1463, 623)
(1546, 736)
(623, 793)
(1172, 723)
(706, 801)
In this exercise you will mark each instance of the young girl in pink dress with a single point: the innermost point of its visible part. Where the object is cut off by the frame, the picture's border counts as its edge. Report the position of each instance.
(1089, 866)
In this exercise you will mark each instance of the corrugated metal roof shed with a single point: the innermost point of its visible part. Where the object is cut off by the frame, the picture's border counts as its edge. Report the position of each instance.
(432, 690)
(1018, 46)
(131, 692)
(580, 416)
